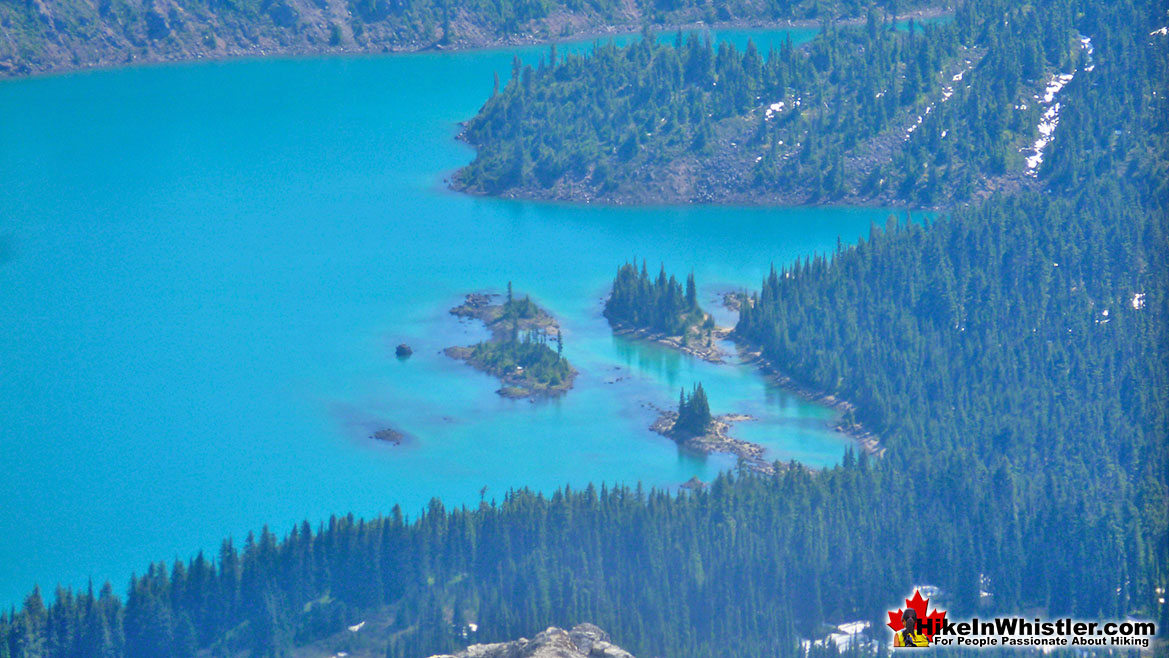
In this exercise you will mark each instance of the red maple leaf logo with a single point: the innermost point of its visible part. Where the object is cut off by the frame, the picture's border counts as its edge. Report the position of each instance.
(931, 623)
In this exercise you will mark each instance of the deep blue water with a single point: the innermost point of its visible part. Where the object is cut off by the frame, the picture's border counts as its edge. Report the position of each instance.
(208, 267)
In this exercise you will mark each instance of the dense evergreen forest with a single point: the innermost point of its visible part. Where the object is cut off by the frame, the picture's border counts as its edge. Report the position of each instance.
(658, 305)
(918, 115)
(61, 34)
(1012, 355)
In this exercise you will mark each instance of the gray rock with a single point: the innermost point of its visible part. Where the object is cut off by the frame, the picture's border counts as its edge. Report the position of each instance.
(583, 641)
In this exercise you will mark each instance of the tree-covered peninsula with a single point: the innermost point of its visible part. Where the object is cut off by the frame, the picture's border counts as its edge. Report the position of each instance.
(526, 348)
(918, 114)
(660, 310)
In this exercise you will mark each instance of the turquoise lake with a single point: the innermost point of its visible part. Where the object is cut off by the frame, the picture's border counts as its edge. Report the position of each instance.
(206, 268)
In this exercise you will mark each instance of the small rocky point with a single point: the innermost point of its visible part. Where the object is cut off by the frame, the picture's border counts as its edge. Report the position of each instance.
(583, 641)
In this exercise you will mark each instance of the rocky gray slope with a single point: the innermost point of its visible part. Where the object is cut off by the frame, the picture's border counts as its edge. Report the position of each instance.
(583, 641)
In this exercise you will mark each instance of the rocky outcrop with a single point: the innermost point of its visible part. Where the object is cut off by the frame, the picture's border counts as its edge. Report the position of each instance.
(716, 440)
(389, 435)
(583, 641)
(708, 351)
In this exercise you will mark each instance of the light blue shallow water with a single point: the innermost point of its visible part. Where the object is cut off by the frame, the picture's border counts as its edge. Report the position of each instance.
(209, 266)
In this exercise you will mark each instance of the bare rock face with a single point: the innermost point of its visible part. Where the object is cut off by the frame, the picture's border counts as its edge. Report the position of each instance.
(583, 641)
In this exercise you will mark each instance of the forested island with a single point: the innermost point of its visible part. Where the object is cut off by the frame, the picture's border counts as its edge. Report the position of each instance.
(659, 310)
(920, 115)
(1010, 353)
(695, 429)
(518, 352)
(56, 35)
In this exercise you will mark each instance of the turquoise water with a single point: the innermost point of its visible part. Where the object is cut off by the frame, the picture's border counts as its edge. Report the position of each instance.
(208, 267)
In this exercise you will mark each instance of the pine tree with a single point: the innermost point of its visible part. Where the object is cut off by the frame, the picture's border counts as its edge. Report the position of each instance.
(693, 413)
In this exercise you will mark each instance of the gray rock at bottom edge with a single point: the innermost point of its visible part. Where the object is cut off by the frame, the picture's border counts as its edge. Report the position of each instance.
(583, 641)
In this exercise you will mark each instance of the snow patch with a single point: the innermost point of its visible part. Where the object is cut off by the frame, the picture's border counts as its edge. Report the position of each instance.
(853, 627)
(929, 108)
(850, 635)
(928, 591)
(1058, 82)
(1048, 121)
(1163, 31)
(773, 109)
(1086, 44)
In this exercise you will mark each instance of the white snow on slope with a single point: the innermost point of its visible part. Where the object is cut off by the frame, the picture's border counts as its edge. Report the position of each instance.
(1050, 117)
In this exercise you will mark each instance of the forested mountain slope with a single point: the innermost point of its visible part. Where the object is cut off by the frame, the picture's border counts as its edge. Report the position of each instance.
(51, 35)
(881, 112)
(1012, 355)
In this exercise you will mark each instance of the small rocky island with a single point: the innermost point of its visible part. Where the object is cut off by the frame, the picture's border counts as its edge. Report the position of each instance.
(658, 310)
(693, 428)
(526, 348)
(389, 435)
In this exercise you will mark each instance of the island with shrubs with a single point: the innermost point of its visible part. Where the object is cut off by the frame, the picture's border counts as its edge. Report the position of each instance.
(525, 350)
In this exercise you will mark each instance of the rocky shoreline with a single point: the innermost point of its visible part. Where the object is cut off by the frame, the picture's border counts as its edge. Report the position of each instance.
(515, 383)
(710, 353)
(866, 439)
(721, 189)
(751, 354)
(717, 439)
(306, 28)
